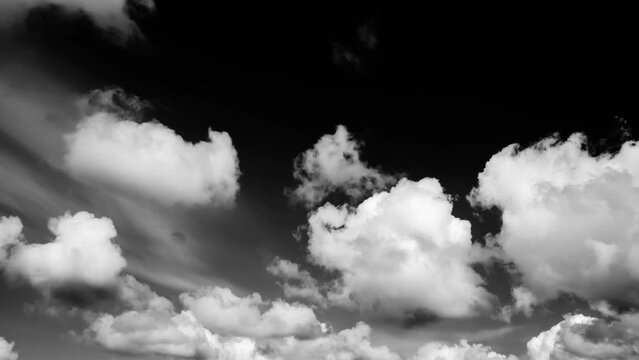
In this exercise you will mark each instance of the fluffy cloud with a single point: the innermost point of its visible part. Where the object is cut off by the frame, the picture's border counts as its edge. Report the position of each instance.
(109, 14)
(6, 350)
(298, 284)
(223, 312)
(523, 302)
(569, 218)
(334, 164)
(79, 267)
(461, 351)
(152, 160)
(82, 252)
(580, 337)
(400, 252)
(10, 233)
(153, 326)
(348, 344)
(167, 333)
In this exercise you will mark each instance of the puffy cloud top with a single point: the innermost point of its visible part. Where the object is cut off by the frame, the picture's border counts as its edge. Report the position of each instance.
(223, 312)
(334, 164)
(461, 351)
(569, 218)
(6, 350)
(82, 253)
(348, 344)
(167, 333)
(400, 251)
(580, 337)
(151, 160)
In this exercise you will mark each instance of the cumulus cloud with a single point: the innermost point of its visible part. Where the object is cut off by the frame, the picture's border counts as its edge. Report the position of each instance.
(569, 218)
(580, 337)
(81, 265)
(523, 302)
(6, 350)
(167, 333)
(223, 312)
(400, 253)
(151, 160)
(334, 165)
(297, 283)
(461, 351)
(82, 252)
(348, 344)
(113, 15)
(154, 326)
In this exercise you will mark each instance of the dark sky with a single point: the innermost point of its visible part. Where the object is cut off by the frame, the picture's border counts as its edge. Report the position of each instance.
(430, 91)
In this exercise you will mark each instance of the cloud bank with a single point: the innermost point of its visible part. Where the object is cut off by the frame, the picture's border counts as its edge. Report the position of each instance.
(334, 165)
(569, 218)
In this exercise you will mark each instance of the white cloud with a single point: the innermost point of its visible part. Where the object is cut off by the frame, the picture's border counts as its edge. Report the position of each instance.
(461, 351)
(109, 14)
(400, 251)
(580, 337)
(151, 160)
(569, 218)
(82, 253)
(334, 164)
(10, 234)
(6, 350)
(348, 344)
(523, 302)
(139, 296)
(223, 312)
(298, 284)
(167, 333)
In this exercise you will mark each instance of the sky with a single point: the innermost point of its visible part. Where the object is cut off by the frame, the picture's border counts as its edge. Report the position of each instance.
(316, 182)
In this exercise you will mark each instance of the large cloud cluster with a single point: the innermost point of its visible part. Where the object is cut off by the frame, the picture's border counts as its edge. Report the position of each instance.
(569, 218)
(152, 160)
(6, 350)
(334, 164)
(217, 324)
(400, 252)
